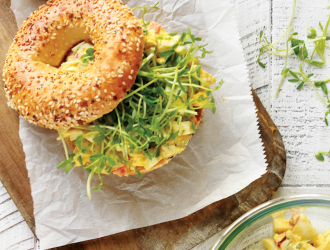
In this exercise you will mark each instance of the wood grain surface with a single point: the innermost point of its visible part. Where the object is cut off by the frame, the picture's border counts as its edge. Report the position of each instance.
(184, 233)
(13, 172)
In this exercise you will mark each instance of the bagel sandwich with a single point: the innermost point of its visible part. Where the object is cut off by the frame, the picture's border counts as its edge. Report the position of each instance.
(125, 95)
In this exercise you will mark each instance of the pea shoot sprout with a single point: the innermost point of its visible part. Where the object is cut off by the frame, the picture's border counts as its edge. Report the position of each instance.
(297, 47)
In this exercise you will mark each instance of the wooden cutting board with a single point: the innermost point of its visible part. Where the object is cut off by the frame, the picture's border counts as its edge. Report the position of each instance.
(184, 233)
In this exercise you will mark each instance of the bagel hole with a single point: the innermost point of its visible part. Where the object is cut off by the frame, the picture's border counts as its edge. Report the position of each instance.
(74, 53)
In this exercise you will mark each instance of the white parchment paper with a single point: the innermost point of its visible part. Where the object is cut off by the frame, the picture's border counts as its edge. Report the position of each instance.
(224, 156)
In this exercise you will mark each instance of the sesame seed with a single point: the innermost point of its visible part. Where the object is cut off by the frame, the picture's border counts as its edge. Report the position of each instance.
(105, 91)
(113, 93)
(132, 71)
(124, 83)
(130, 77)
(120, 76)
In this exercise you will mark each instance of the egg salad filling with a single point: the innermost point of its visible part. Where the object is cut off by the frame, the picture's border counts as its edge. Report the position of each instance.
(296, 233)
(157, 117)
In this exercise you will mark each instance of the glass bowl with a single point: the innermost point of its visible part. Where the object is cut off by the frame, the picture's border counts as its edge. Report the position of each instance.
(247, 232)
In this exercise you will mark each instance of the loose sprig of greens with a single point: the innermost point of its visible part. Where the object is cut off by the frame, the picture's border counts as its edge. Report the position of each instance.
(144, 120)
(145, 10)
(297, 47)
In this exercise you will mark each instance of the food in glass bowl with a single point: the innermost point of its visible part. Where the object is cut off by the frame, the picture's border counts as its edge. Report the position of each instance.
(296, 233)
(249, 231)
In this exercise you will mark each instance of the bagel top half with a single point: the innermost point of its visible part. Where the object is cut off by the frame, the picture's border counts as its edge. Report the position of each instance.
(50, 97)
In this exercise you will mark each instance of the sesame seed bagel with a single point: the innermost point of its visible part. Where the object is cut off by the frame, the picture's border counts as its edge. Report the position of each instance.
(53, 98)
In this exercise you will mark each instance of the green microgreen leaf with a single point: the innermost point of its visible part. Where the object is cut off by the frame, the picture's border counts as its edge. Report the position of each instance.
(324, 88)
(300, 86)
(294, 43)
(64, 163)
(305, 52)
(294, 80)
(99, 129)
(320, 157)
(80, 160)
(90, 51)
(315, 63)
(293, 74)
(99, 138)
(321, 26)
(318, 84)
(167, 53)
(138, 173)
(193, 126)
(261, 64)
(313, 34)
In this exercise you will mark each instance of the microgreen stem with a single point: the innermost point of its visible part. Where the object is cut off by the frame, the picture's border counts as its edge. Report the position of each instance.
(317, 93)
(64, 144)
(139, 89)
(89, 181)
(280, 85)
(292, 15)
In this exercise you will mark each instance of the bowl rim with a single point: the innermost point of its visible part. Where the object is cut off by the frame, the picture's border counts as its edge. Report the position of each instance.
(262, 210)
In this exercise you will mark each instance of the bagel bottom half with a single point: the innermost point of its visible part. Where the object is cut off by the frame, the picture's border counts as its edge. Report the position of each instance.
(161, 163)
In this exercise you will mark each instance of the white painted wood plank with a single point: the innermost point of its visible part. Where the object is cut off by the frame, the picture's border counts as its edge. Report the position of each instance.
(299, 114)
(253, 16)
(17, 237)
(14, 232)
